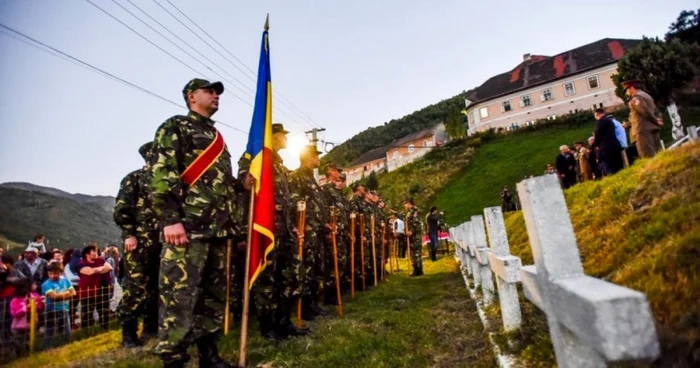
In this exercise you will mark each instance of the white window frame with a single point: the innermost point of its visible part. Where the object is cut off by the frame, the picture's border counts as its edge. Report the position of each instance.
(503, 106)
(411, 148)
(573, 88)
(484, 112)
(597, 81)
(522, 100)
(551, 95)
(395, 155)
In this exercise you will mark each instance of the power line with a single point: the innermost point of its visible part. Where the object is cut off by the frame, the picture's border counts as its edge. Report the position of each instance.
(88, 66)
(313, 124)
(160, 48)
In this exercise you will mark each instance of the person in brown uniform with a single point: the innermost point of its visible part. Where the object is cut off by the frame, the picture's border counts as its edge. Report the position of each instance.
(645, 120)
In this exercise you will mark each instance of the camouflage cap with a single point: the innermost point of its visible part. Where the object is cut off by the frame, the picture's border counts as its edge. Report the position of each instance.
(309, 150)
(145, 149)
(278, 128)
(329, 166)
(196, 84)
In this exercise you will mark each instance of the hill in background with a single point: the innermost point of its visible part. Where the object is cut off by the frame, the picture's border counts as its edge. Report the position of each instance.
(67, 220)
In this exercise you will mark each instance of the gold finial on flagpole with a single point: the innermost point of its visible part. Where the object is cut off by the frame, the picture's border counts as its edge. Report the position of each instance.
(267, 22)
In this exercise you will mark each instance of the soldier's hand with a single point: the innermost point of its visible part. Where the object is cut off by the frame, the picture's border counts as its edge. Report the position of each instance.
(130, 244)
(175, 235)
(248, 182)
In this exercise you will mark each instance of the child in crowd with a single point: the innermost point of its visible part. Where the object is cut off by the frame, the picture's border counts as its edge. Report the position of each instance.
(58, 292)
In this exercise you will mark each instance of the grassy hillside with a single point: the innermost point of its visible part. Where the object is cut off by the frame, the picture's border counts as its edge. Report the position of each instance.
(404, 322)
(641, 229)
(66, 222)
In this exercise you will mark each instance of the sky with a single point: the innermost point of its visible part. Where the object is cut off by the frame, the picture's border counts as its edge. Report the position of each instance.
(341, 65)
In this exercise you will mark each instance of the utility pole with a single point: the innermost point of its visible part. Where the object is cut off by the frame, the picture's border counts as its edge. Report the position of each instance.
(314, 136)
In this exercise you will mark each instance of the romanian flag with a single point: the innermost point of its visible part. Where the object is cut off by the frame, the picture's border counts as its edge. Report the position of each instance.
(259, 151)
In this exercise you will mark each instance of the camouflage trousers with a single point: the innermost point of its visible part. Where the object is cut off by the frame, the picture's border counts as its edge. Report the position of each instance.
(140, 283)
(278, 284)
(329, 266)
(312, 263)
(416, 251)
(192, 293)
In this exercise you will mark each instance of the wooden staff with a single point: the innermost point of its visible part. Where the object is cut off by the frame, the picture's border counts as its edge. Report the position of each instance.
(381, 243)
(334, 231)
(362, 249)
(396, 252)
(374, 251)
(408, 246)
(352, 255)
(301, 223)
(227, 306)
(391, 255)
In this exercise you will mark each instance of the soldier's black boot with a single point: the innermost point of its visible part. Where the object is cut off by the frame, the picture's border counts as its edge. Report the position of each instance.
(317, 309)
(129, 337)
(267, 329)
(307, 313)
(178, 363)
(209, 353)
(284, 325)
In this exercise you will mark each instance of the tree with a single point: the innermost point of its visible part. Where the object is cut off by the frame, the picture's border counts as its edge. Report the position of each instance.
(686, 27)
(372, 182)
(454, 125)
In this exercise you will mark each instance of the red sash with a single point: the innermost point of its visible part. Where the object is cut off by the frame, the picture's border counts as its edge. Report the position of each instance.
(203, 162)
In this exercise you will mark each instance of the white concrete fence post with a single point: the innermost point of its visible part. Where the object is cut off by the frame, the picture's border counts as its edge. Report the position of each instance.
(480, 248)
(506, 267)
(591, 322)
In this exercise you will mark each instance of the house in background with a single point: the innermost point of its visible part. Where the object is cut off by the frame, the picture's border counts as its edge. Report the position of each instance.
(413, 146)
(374, 160)
(544, 87)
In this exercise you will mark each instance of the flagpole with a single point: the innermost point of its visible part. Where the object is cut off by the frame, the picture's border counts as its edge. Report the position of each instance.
(246, 280)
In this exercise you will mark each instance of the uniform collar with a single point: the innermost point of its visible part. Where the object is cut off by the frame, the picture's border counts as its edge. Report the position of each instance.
(198, 117)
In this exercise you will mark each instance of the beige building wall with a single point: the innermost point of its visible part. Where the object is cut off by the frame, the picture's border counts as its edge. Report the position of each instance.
(354, 173)
(583, 97)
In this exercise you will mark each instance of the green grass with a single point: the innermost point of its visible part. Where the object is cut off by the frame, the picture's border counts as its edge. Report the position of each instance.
(503, 161)
(641, 229)
(404, 322)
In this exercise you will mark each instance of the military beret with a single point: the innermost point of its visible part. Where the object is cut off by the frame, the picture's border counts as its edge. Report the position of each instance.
(631, 83)
(196, 84)
(327, 167)
(278, 128)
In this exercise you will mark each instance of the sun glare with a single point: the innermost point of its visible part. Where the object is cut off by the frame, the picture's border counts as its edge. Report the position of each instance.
(295, 143)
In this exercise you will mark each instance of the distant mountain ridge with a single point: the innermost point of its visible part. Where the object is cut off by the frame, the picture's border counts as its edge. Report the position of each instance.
(66, 219)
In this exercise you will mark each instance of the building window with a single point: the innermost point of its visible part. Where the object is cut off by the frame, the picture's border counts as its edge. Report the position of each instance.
(601, 105)
(410, 148)
(547, 95)
(425, 143)
(484, 112)
(569, 89)
(525, 101)
(395, 155)
(505, 106)
(593, 82)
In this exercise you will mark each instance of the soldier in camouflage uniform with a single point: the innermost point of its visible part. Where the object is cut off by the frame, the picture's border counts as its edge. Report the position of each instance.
(345, 282)
(305, 188)
(358, 204)
(277, 287)
(133, 213)
(414, 235)
(335, 197)
(371, 209)
(197, 219)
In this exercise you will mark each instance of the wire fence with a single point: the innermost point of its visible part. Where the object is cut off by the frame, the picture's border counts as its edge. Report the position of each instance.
(33, 322)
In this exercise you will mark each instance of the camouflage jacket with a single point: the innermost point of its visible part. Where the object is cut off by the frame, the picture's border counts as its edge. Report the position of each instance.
(208, 208)
(285, 207)
(360, 207)
(414, 223)
(335, 197)
(133, 209)
(305, 188)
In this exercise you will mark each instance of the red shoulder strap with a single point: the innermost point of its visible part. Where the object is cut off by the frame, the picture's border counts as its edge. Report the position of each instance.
(204, 161)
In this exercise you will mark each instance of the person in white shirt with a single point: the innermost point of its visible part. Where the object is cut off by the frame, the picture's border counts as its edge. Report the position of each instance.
(400, 233)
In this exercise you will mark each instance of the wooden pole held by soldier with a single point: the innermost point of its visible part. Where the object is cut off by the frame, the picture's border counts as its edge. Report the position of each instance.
(246, 287)
(381, 244)
(334, 231)
(352, 255)
(362, 249)
(301, 223)
(227, 307)
(396, 253)
(374, 251)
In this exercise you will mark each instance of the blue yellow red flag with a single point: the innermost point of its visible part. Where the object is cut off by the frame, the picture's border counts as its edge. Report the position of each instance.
(259, 150)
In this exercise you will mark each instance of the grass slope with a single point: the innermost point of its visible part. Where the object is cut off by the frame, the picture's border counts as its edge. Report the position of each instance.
(641, 229)
(405, 322)
(503, 161)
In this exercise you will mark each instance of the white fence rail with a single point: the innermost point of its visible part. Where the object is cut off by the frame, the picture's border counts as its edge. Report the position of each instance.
(591, 322)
